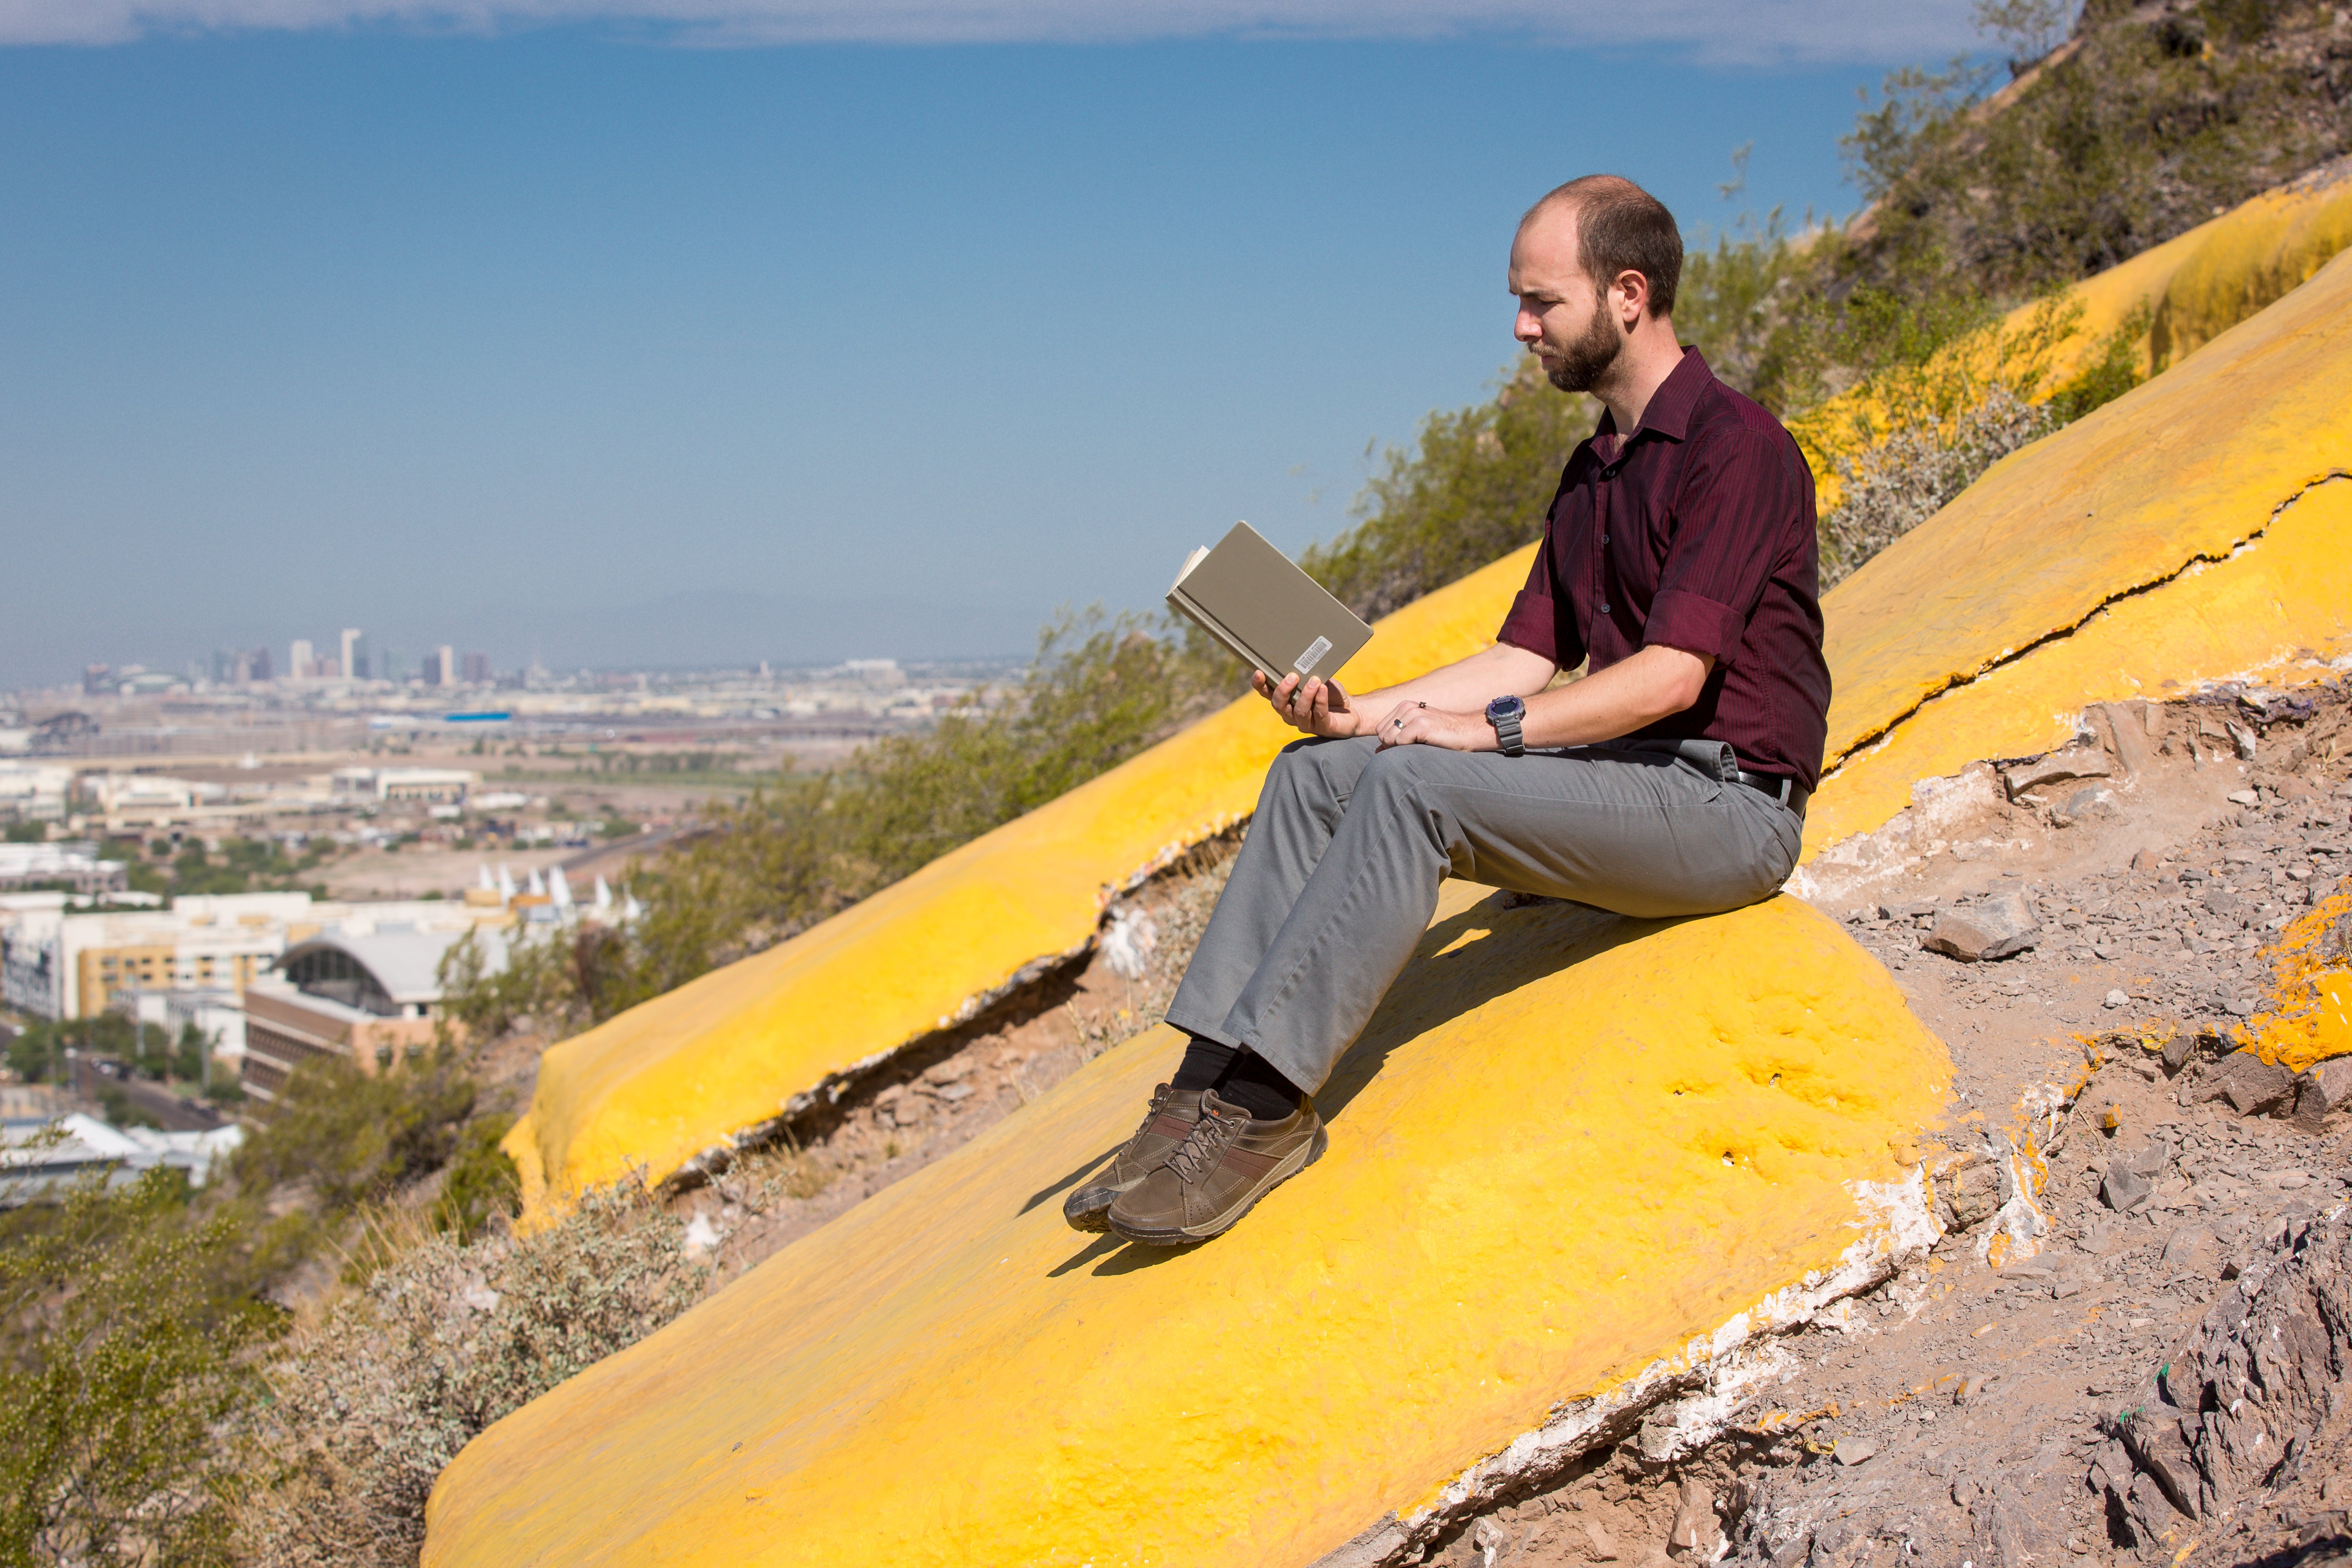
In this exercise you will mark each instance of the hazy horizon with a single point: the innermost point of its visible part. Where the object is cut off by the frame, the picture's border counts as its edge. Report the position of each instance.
(519, 338)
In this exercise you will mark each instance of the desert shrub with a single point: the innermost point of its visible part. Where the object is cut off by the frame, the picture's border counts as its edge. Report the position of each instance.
(481, 1185)
(123, 1317)
(351, 1137)
(1893, 488)
(370, 1405)
(1100, 690)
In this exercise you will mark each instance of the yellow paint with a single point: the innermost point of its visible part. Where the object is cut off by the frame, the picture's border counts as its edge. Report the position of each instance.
(2247, 260)
(2195, 286)
(659, 1083)
(2313, 1017)
(1525, 1202)
(2166, 483)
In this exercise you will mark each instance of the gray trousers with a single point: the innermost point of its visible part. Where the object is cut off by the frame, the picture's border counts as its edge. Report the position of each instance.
(1339, 874)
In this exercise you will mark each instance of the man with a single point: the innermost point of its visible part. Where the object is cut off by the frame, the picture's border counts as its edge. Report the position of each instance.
(1679, 560)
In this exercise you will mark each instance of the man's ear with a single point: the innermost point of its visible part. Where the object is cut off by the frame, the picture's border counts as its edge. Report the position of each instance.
(1633, 292)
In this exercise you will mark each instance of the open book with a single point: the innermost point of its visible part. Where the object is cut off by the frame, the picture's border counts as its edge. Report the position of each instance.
(1266, 612)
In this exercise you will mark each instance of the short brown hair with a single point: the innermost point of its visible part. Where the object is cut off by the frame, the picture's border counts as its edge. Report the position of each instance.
(1621, 228)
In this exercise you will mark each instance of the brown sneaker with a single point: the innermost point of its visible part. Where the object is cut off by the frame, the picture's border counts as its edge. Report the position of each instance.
(1227, 1164)
(1165, 1126)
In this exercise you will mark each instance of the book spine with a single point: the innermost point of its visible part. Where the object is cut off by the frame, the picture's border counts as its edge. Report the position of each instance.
(1182, 604)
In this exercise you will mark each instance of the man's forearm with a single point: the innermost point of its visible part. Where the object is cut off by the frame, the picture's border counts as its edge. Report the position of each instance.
(1467, 686)
(1655, 682)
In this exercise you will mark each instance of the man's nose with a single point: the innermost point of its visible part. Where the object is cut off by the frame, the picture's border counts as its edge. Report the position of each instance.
(1526, 329)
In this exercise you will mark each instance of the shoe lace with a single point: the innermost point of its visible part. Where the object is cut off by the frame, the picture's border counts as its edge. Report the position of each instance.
(1202, 1147)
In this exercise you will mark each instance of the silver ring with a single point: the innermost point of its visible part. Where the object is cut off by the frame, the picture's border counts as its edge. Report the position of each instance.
(1400, 723)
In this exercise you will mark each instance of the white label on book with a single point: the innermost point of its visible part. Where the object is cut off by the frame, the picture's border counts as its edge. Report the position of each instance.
(1313, 657)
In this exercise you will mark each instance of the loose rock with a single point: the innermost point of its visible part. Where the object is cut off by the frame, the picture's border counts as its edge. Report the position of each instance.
(1995, 928)
(2249, 1083)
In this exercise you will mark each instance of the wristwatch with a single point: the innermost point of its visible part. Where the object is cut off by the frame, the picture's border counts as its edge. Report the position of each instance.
(1504, 714)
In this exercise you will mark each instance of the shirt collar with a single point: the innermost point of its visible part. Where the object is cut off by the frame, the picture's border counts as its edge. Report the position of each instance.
(1669, 411)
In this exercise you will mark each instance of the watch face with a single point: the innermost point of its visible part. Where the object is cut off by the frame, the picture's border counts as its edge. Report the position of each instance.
(1505, 708)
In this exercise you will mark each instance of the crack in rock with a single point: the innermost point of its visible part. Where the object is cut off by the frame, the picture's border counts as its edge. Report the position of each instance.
(2007, 656)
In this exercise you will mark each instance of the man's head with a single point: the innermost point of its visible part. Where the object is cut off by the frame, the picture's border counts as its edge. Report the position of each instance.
(1594, 263)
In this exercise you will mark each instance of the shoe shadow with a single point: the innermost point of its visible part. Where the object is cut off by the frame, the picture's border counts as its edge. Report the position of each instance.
(1101, 1246)
(1136, 1255)
(1449, 976)
(1113, 1255)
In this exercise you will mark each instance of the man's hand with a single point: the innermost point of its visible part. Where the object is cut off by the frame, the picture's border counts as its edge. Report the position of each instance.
(1418, 724)
(1318, 707)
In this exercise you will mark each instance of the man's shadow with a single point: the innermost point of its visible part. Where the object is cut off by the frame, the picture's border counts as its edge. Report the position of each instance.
(1523, 941)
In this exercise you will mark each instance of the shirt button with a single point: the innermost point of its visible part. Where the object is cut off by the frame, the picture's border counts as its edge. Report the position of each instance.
(1604, 610)
(1604, 539)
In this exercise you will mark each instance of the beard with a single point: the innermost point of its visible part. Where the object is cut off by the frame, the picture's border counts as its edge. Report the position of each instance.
(1585, 360)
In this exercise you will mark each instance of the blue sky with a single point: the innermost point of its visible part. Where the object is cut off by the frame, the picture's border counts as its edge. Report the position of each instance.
(558, 329)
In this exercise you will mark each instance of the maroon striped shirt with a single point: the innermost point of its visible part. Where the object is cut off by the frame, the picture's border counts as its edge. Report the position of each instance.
(1695, 531)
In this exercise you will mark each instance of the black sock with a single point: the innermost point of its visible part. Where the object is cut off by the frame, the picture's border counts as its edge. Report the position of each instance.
(1252, 1083)
(1204, 1062)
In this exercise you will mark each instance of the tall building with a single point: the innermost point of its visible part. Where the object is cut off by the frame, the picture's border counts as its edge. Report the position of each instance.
(236, 666)
(444, 666)
(299, 659)
(477, 669)
(347, 663)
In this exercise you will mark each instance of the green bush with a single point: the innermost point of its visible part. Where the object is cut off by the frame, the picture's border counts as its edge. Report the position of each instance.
(123, 1321)
(482, 1183)
(351, 1137)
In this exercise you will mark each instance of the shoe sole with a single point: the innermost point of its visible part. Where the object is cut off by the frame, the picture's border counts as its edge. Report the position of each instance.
(1087, 1210)
(1184, 1236)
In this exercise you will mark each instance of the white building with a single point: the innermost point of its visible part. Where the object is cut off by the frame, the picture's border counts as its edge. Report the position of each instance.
(433, 786)
(76, 863)
(31, 1165)
(151, 793)
(59, 962)
(34, 792)
(218, 1016)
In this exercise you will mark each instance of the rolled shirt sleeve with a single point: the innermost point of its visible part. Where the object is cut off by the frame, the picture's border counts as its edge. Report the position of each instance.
(1535, 622)
(1731, 511)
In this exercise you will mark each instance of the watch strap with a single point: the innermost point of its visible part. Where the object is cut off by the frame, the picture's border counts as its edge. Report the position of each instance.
(1507, 732)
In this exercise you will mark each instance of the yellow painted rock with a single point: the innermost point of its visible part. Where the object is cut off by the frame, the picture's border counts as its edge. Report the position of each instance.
(1566, 1148)
(2311, 1019)
(666, 1080)
(2197, 529)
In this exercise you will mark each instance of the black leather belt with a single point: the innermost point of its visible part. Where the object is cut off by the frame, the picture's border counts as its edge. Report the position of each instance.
(1786, 790)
